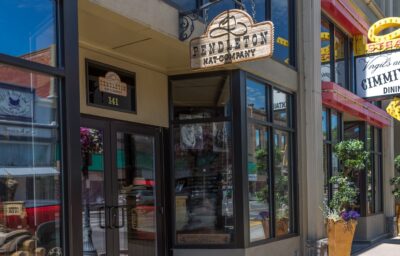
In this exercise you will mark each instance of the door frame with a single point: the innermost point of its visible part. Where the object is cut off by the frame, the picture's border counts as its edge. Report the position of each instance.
(110, 128)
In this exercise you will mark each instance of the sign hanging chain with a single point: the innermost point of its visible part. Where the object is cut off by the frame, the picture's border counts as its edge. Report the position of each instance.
(253, 9)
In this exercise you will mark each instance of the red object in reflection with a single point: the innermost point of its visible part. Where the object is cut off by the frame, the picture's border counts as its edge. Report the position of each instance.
(345, 15)
(336, 97)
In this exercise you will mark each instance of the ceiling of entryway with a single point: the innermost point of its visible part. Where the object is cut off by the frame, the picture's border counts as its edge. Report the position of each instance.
(117, 35)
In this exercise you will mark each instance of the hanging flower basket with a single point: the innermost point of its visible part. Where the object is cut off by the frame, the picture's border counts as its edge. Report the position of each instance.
(91, 143)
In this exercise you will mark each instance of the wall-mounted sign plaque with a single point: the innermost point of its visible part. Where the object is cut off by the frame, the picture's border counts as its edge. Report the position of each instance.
(232, 37)
(378, 76)
(110, 87)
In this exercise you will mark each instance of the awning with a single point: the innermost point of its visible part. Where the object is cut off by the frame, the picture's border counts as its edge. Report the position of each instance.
(32, 171)
(337, 97)
(346, 15)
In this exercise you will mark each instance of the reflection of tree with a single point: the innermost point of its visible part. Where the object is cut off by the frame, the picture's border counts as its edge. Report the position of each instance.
(281, 182)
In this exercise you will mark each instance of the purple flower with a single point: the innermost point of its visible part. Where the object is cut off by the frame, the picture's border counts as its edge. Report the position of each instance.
(349, 215)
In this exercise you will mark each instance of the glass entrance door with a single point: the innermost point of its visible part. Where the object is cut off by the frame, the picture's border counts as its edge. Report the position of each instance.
(121, 196)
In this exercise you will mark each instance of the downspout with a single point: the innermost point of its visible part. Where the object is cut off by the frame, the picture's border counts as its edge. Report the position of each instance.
(375, 8)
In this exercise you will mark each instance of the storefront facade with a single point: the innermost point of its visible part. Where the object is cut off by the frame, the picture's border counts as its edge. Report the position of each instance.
(228, 159)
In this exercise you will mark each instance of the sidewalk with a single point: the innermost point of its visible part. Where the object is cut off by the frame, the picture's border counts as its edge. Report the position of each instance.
(388, 247)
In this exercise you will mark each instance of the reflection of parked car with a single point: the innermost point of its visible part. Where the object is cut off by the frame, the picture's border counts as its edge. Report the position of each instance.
(36, 223)
(144, 197)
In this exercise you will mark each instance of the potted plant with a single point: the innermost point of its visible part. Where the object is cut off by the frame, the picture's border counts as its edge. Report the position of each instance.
(396, 192)
(339, 212)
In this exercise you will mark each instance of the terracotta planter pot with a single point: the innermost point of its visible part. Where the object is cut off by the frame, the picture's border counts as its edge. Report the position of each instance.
(265, 225)
(340, 237)
(282, 227)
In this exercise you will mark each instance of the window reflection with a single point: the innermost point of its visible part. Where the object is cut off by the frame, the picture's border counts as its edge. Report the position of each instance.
(258, 176)
(30, 177)
(203, 183)
(325, 52)
(28, 30)
(340, 61)
(256, 100)
(280, 14)
(282, 182)
(280, 107)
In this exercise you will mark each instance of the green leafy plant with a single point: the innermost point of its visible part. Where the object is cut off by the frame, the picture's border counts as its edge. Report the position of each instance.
(261, 163)
(396, 180)
(353, 158)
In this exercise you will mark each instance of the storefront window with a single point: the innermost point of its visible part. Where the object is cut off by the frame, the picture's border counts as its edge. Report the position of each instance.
(256, 100)
(280, 17)
(202, 161)
(331, 127)
(30, 162)
(369, 181)
(270, 171)
(28, 30)
(325, 51)
(258, 173)
(335, 55)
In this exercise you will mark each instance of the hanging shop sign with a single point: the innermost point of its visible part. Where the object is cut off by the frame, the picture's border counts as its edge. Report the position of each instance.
(110, 87)
(232, 37)
(378, 74)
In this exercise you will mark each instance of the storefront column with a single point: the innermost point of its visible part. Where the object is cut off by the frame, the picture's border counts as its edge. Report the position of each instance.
(310, 146)
(388, 173)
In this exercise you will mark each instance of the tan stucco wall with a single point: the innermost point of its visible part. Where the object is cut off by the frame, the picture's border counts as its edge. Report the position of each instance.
(151, 92)
(370, 228)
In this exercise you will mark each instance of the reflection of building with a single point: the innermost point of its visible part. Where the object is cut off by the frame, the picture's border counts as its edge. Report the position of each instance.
(222, 161)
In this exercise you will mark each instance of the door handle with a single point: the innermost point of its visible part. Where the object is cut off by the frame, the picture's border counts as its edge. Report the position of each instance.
(101, 209)
(114, 212)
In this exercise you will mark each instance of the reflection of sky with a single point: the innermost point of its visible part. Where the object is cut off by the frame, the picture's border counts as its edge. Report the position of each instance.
(26, 26)
(280, 18)
(255, 94)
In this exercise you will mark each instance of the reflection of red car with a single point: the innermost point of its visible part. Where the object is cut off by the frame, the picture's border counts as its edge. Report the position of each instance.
(37, 219)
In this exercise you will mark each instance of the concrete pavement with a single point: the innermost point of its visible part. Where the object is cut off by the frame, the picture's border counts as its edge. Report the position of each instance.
(388, 247)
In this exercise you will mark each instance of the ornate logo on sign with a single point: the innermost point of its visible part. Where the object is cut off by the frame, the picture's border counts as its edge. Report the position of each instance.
(385, 42)
(16, 103)
(111, 83)
(230, 38)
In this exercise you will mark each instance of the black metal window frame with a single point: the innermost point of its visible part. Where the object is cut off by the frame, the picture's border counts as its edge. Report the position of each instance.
(272, 127)
(171, 242)
(329, 143)
(238, 119)
(67, 74)
(348, 55)
(363, 180)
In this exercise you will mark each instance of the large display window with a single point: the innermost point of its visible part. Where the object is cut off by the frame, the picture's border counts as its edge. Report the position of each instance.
(232, 169)
(269, 161)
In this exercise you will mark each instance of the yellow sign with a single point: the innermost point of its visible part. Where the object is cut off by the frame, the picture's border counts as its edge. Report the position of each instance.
(385, 42)
(393, 108)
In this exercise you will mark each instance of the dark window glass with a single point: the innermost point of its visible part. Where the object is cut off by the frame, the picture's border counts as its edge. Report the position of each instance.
(257, 11)
(324, 123)
(215, 9)
(185, 5)
(282, 182)
(30, 159)
(340, 58)
(378, 183)
(334, 126)
(28, 30)
(280, 14)
(280, 107)
(256, 100)
(200, 98)
(325, 52)
(203, 183)
(258, 174)
(326, 157)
